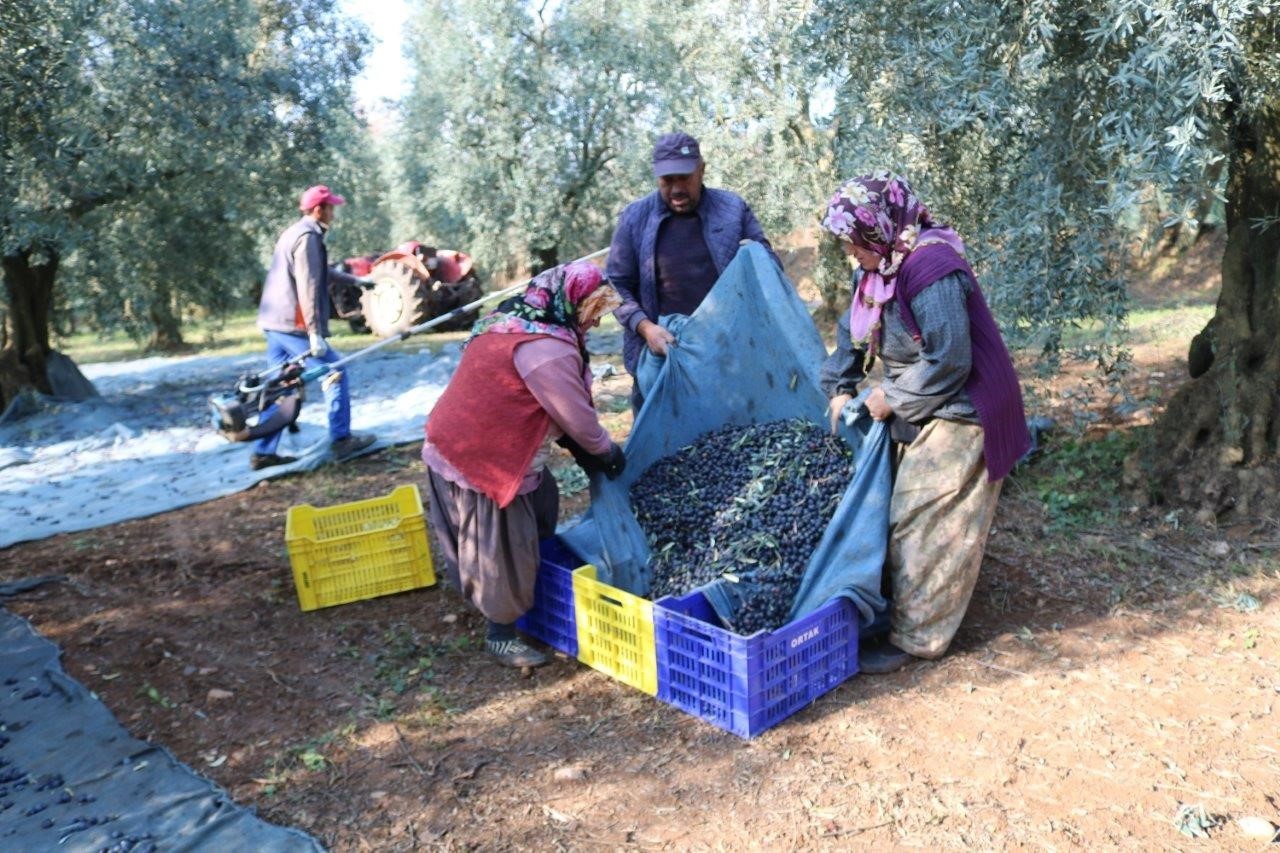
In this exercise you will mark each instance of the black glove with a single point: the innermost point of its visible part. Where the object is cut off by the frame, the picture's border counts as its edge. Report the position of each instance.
(614, 462)
(587, 462)
(611, 463)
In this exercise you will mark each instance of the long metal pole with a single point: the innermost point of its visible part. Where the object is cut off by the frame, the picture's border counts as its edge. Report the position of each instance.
(321, 370)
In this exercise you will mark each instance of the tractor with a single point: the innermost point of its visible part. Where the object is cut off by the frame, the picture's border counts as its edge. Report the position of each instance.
(387, 294)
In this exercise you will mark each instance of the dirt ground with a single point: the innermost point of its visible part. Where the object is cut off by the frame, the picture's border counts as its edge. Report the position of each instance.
(1117, 678)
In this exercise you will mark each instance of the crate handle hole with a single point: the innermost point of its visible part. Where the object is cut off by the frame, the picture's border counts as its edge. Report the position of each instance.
(701, 635)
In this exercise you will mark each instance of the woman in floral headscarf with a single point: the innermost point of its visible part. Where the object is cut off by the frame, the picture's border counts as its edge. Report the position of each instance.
(949, 394)
(522, 383)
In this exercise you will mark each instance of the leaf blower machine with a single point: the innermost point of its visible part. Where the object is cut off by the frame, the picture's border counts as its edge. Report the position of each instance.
(264, 403)
(239, 416)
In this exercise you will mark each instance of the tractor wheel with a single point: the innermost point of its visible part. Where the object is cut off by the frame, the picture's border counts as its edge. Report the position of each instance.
(399, 299)
(451, 296)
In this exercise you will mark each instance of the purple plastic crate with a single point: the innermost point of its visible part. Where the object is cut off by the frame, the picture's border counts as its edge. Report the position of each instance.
(746, 685)
(551, 619)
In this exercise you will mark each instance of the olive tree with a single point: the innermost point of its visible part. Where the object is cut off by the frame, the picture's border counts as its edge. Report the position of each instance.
(526, 127)
(144, 144)
(529, 126)
(751, 104)
(1039, 127)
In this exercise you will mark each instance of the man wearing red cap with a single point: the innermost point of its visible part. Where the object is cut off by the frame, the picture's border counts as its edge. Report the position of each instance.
(294, 315)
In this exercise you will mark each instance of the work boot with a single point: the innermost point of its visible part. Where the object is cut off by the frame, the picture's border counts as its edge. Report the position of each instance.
(515, 652)
(883, 658)
(345, 448)
(258, 461)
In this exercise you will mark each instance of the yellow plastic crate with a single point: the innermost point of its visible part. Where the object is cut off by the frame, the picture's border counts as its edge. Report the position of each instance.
(615, 631)
(359, 550)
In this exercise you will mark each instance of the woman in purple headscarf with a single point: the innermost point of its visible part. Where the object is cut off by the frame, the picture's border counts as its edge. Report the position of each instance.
(950, 396)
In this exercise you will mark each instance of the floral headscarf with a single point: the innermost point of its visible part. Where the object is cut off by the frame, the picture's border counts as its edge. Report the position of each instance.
(551, 305)
(880, 212)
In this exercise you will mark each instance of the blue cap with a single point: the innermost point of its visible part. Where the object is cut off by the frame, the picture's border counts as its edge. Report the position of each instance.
(675, 154)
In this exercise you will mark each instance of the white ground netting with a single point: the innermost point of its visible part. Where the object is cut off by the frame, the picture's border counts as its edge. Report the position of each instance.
(146, 446)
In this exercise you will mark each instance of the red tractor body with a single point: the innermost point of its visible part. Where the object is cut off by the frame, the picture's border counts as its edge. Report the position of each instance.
(411, 284)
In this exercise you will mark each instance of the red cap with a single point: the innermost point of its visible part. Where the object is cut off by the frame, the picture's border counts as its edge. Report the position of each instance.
(319, 194)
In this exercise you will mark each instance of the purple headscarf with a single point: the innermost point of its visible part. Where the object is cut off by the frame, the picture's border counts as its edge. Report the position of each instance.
(880, 212)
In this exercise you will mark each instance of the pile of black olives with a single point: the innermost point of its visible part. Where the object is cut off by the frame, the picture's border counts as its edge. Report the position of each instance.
(748, 503)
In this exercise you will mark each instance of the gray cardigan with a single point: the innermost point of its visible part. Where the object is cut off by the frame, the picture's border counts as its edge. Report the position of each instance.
(295, 296)
(923, 379)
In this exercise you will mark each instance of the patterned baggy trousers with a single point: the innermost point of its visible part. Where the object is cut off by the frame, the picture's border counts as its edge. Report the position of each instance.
(939, 518)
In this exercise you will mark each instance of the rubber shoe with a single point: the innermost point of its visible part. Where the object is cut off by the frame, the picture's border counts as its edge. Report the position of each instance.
(267, 460)
(515, 653)
(345, 448)
(883, 659)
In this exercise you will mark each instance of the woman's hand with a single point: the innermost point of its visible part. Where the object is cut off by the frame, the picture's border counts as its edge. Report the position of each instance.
(878, 405)
(658, 338)
(837, 403)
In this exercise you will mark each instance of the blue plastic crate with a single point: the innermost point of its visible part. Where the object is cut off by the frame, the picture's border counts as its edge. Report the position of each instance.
(551, 619)
(746, 685)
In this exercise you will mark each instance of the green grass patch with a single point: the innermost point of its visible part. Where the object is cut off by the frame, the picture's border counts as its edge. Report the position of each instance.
(238, 334)
(1079, 480)
(1170, 324)
(569, 477)
(401, 673)
(235, 335)
(156, 696)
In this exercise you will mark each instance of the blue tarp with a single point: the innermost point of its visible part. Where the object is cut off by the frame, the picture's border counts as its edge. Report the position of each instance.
(750, 354)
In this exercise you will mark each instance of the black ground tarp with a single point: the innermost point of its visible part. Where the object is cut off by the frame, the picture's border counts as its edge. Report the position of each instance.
(71, 777)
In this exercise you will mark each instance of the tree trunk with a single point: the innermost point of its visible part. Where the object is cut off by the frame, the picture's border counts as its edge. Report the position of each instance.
(28, 277)
(166, 327)
(1216, 445)
(545, 259)
(832, 276)
(27, 360)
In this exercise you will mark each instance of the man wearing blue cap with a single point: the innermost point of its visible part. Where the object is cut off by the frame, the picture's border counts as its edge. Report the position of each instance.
(671, 246)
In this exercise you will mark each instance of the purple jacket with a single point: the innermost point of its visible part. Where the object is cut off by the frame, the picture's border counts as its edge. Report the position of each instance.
(295, 296)
(726, 220)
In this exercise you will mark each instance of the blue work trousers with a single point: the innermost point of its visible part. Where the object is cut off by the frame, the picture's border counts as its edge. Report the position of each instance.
(282, 346)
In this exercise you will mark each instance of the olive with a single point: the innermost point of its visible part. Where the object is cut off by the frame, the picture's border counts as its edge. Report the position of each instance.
(749, 501)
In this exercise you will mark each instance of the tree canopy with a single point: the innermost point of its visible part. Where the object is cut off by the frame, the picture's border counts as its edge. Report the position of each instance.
(525, 129)
(1042, 127)
(529, 127)
(147, 146)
